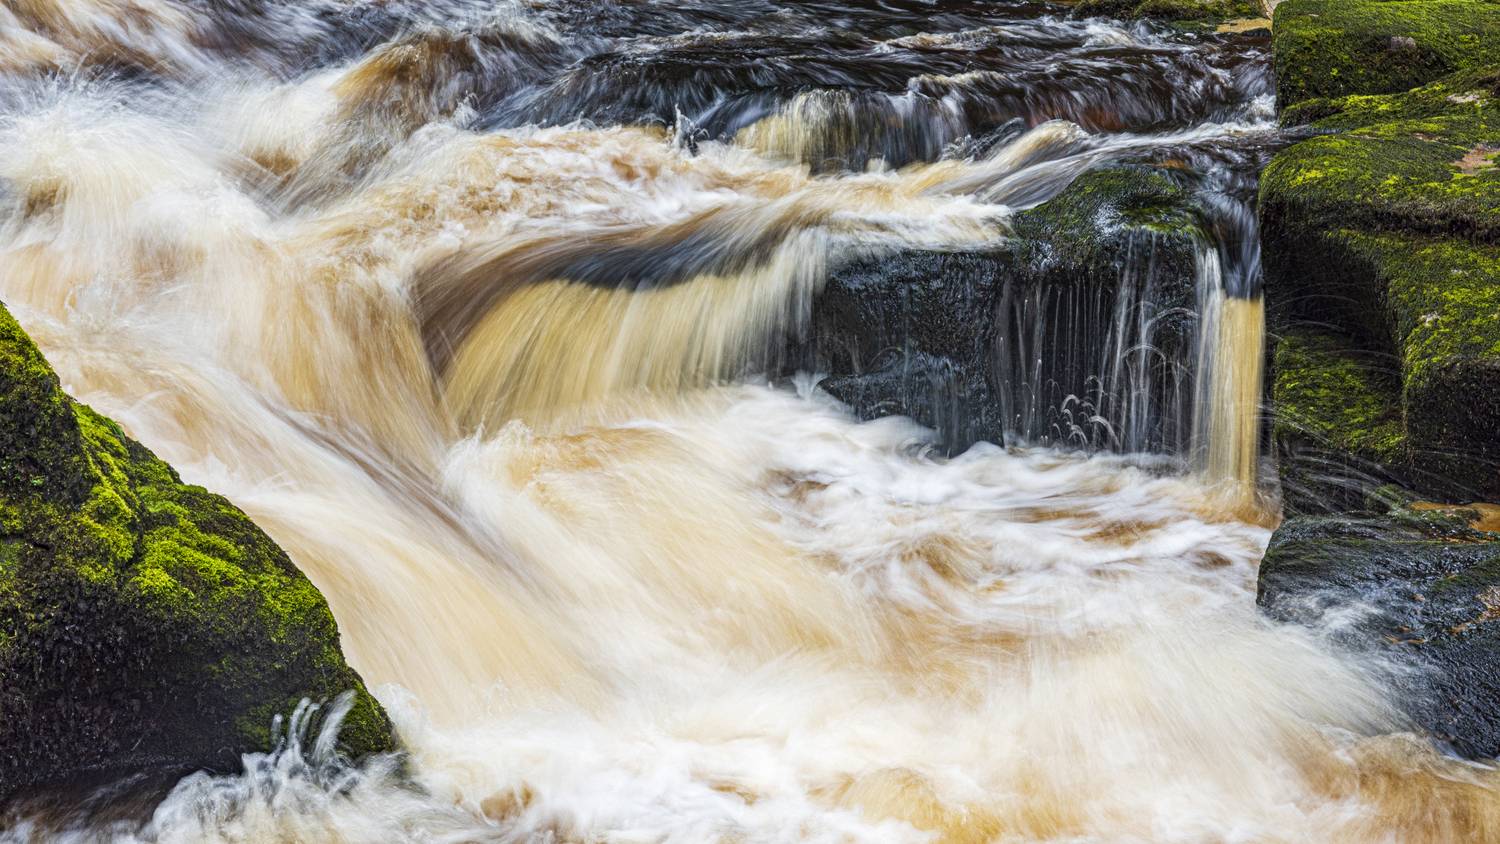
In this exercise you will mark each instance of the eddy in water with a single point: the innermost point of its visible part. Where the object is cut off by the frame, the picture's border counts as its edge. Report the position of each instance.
(490, 316)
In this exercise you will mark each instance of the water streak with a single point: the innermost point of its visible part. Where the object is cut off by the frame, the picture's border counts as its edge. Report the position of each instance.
(484, 344)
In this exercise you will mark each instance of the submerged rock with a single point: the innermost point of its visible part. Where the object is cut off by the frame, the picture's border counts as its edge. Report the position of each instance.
(145, 624)
(1417, 588)
(1021, 339)
(1333, 48)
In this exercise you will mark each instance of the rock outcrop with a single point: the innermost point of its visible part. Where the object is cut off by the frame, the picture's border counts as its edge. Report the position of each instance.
(1381, 235)
(978, 345)
(1387, 233)
(1334, 48)
(145, 624)
(1416, 588)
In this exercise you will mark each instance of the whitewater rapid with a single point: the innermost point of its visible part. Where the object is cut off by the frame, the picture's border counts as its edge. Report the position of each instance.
(492, 372)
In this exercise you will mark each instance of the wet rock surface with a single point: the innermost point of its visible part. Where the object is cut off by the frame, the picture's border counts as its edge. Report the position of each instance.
(1418, 588)
(145, 624)
(982, 345)
(1386, 233)
(1382, 262)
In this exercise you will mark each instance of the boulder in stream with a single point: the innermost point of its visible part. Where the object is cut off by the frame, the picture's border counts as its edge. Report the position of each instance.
(1334, 48)
(1038, 336)
(1388, 233)
(1381, 247)
(145, 624)
(1417, 587)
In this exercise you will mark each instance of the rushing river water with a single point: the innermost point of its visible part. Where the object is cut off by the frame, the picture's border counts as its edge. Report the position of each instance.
(469, 306)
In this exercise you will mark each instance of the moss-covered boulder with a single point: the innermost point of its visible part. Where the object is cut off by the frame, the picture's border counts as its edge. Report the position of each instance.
(954, 341)
(145, 624)
(1338, 426)
(1427, 585)
(1333, 48)
(1381, 245)
(1441, 97)
(1389, 232)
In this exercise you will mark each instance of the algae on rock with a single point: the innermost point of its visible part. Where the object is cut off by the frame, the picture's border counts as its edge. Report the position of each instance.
(1338, 423)
(1382, 261)
(145, 624)
(1333, 48)
(1389, 232)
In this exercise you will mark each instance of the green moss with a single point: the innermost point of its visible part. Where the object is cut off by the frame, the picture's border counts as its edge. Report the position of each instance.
(1337, 395)
(143, 622)
(1335, 48)
(1444, 299)
(1430, 304)
(1099, 205)
(1389, 232)
(40, 447)
(1337, 421)
(1470, 90)
(1443, 303)
(1408, 175)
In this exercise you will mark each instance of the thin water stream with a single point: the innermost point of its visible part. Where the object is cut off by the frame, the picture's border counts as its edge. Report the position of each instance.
(475, 308)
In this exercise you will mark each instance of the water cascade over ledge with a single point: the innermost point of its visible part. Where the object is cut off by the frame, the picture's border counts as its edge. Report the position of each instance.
(496, 316)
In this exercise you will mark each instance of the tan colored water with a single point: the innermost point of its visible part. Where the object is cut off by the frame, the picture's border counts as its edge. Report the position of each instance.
(1230, 442)
(609, 590)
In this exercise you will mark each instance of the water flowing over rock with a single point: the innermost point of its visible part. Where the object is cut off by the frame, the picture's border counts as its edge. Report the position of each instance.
(1079, 329)
(737, 422)
(145, 625)
(1419, 586)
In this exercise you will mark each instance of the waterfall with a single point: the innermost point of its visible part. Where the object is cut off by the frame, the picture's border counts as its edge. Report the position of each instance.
(487, 313)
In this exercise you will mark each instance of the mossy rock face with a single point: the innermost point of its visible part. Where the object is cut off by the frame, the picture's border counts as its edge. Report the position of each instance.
(1430, 586)
(1428, 306)
(1389, 233)
(1382, 259)
(1443, 300)
(1334, 48)
(1430, 176)
(1338, 422)
(916, 333)
(1476, 87)
(145, 624)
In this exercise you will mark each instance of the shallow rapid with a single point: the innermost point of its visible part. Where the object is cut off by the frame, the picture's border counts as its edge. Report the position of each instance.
(480, 312)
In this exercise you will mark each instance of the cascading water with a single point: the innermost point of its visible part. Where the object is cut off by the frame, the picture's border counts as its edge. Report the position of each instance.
(432, 291)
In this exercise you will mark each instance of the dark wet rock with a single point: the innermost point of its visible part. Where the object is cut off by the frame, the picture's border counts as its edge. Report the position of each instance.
(1170, 10)
(863, 79)
(951, 399)
(1332, 48)
(1041, 337)
(910, 335)
(145, 624)
(1388, 233)
(1417, 589)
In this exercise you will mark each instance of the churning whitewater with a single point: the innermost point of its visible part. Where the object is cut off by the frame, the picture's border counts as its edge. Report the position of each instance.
(483, 312)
